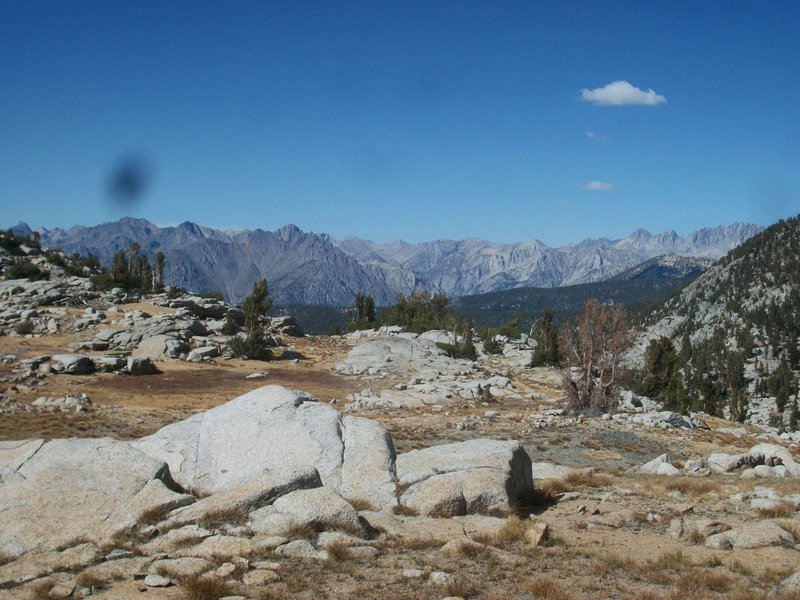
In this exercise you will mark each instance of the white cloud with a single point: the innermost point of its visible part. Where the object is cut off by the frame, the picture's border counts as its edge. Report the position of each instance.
(621, 93)
(596, 137)
(598, 185)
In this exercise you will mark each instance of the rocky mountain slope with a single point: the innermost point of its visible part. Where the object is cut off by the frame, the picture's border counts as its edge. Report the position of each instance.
(474, 266)
(308, 268)
(737, 329)
(666, 267)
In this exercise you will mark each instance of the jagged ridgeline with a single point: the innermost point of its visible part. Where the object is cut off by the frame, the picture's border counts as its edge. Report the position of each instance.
(735, 333)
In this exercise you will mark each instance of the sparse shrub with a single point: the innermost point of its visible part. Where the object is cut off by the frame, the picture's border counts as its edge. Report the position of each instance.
(214, 294)
(361, 504)
(17, 289)
(512, 531)
(24, 327)
(460, 588)
(779, 510)
(206, 587)
(694, 536)
(230, 516)
(544, 588)
(300, 531)
(230, 327)
(339, 551)
(25, 269)
(407, 511)
(90, 580)
(154, 515)
(491, 345)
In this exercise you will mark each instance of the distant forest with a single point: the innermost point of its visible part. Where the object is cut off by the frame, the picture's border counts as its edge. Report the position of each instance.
(496, 308)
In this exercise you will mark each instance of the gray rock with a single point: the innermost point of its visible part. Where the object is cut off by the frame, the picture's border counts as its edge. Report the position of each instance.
(141, 366)
(180, 568)
(250, 496)
(301, 549)
(266, 429)
(752, 535)
(44, 507)
(153, 580)
(74, 364)
(661, 465)
(368, 471)
(321, 508)
(546, 470)
(791, 583)
(159, 347)
(476, 475)
(200, 354)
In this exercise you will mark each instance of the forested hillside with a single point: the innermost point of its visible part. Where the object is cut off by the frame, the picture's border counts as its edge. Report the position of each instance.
(734, 334)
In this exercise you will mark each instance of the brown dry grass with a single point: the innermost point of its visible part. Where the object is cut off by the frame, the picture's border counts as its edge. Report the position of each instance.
(227, 516)
(206, 587)
(460, 588)
(512, 531)
(545, 588)
(361, 504)
(780, 510)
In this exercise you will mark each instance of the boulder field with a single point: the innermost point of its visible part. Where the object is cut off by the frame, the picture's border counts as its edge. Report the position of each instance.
(272, 460)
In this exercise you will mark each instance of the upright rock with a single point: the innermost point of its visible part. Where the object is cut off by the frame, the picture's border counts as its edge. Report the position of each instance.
(472, 476)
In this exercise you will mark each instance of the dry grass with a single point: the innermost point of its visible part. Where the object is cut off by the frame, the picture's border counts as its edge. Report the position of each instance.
(790, 525)
(512, 531)
(587, 479)
(154, 515)
(71, 543)
(778, 511)
(90, 580)
(692, 486)
(206, 587)
(544, 588)
(698, 581)
(405, 511)
(227, 516)
(339, 551)
(694, 536)
(361, 504)
(40, 590)
(418, 543)
(609, 562)
(772, 576)
(472, 550)
(460, 588)
(300, 531)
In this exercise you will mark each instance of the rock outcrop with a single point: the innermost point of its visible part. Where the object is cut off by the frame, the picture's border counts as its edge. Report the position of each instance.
(479, 475)
(273, 427)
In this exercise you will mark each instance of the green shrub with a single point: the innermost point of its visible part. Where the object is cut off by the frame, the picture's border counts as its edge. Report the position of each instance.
(492, 346)
(215, 294)
(230, 327)
(25, 269)
(24, 327)
(17, 289)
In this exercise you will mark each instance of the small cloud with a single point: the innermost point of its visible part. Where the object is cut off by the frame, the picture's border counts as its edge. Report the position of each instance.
(598, 185)
(596, 137)
(621, 93)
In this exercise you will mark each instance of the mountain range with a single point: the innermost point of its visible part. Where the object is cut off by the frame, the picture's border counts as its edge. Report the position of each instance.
(309, 268)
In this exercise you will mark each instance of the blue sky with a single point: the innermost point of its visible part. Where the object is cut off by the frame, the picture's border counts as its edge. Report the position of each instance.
(411, 120)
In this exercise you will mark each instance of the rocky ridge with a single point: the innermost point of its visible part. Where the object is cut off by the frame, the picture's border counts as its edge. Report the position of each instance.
(308, 268)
